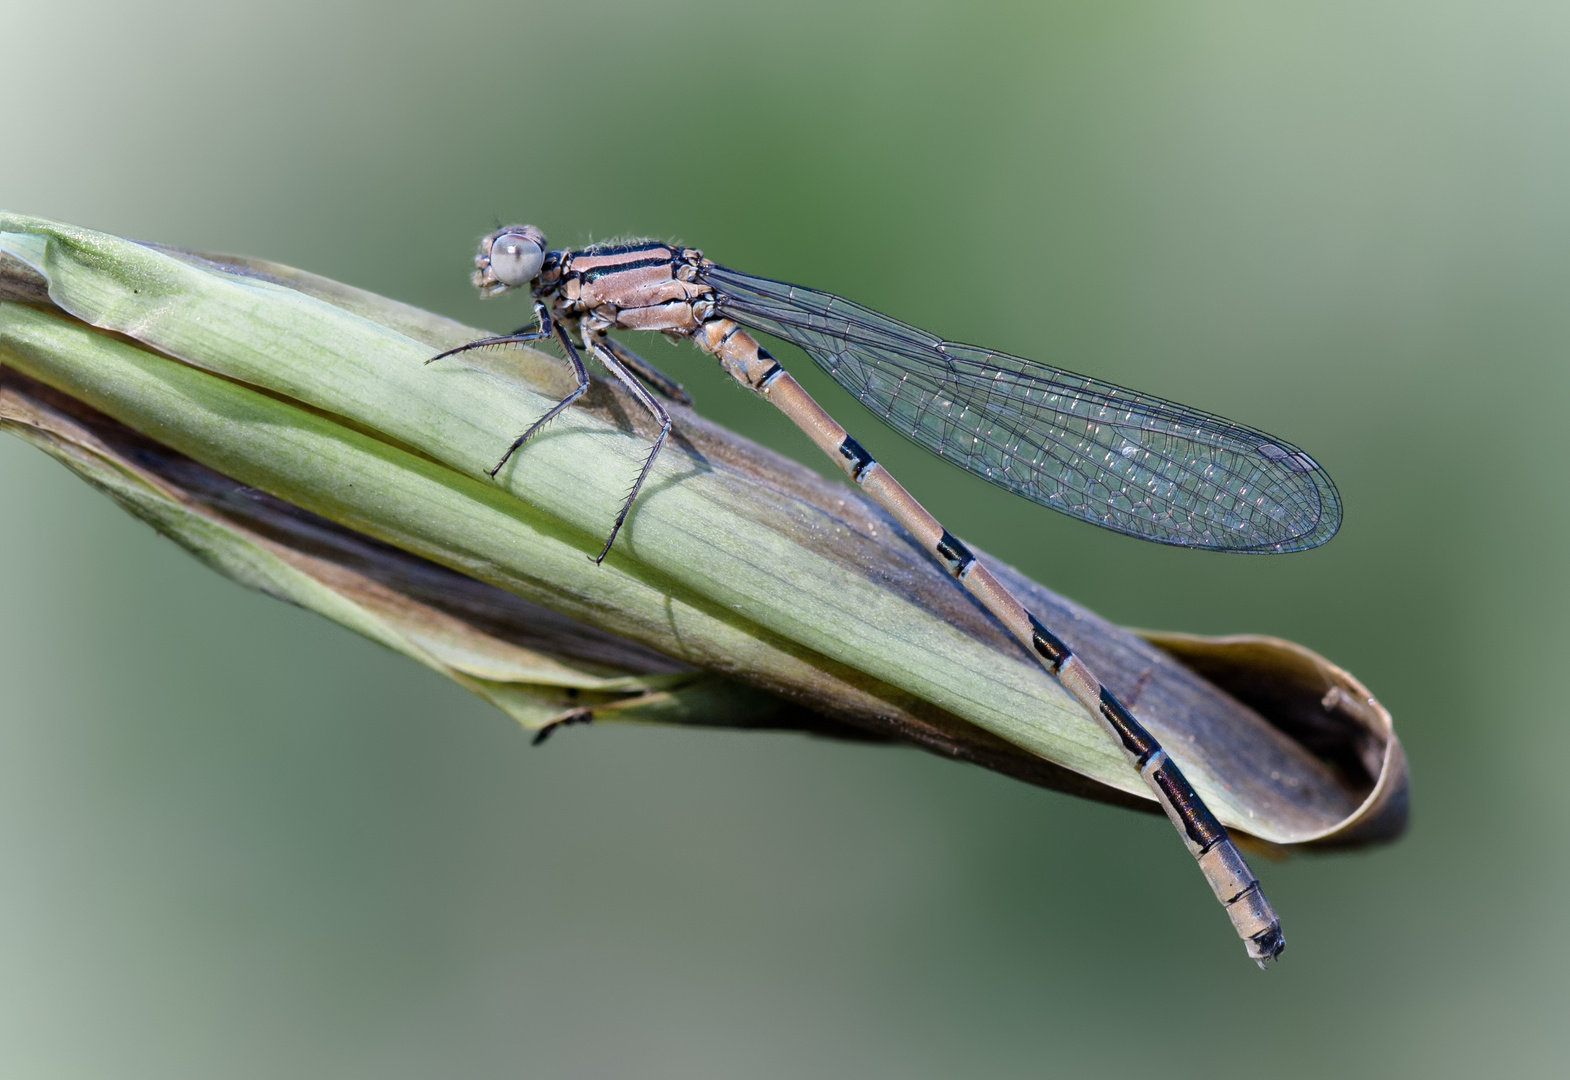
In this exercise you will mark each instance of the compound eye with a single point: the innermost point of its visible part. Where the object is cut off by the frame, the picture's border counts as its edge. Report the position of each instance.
(515, 260)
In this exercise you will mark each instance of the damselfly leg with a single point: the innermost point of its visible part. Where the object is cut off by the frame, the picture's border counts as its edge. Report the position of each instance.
(661, 383)
(555, 410)
(627, 366)
(601, 345)
(524, 334)
(544, 327)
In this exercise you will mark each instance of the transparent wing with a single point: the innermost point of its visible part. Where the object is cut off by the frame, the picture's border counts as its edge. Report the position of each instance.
(1127, 461)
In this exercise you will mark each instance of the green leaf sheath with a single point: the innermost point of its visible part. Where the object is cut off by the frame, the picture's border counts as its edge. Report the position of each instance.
(732, 561)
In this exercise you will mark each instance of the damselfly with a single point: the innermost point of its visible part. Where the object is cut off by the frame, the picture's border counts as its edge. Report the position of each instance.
(1121, 459)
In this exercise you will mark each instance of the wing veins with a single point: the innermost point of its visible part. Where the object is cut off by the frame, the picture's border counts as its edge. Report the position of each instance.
(1186, 476)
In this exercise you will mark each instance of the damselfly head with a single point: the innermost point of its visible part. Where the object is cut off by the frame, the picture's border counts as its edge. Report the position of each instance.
(508, 258)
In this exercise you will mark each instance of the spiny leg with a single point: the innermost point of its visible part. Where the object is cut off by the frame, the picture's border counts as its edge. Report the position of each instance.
(545, 326)
(542, 329)
(596, 341)
(660, 382)
(579, 373)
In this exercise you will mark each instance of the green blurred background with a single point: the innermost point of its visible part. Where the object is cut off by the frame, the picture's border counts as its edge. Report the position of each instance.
(238, 841)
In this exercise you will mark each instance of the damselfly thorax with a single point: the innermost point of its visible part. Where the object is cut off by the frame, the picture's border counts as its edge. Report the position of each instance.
(649, 286)
(633, 287)
(1125, 460)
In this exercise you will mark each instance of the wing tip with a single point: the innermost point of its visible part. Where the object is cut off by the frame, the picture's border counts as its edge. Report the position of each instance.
(1325, 524)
